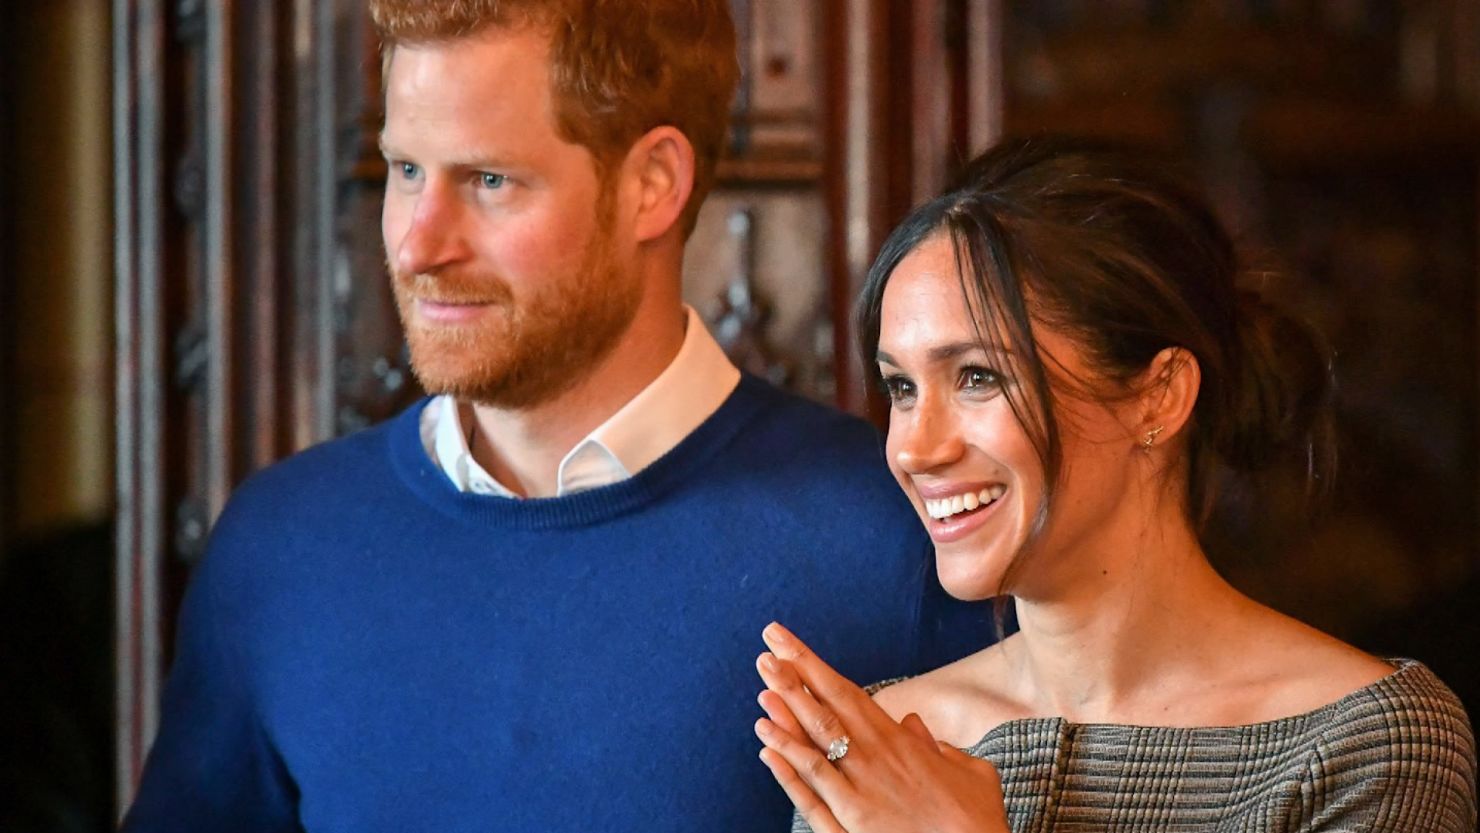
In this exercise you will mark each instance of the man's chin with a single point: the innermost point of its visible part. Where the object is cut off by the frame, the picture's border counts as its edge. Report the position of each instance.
(484, 385)
(448, 377)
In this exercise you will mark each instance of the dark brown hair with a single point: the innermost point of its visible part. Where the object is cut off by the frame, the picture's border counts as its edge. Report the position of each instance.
(619, 68)
(1114, 248)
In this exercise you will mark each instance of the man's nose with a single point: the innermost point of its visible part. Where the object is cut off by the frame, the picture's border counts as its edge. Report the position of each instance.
(434, 236)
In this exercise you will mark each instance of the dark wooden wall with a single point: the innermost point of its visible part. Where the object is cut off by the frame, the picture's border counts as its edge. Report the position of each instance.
(9, 94)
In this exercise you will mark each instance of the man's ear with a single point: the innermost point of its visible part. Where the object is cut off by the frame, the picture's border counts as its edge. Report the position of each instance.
(1168, 392)
(659, 168)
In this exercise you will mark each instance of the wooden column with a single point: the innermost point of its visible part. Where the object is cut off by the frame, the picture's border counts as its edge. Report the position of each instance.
(140, 274)
(986, 73)
(858, 170)
(931, 95)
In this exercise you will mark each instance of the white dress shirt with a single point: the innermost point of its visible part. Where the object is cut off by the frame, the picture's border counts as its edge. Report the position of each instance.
(693, 386)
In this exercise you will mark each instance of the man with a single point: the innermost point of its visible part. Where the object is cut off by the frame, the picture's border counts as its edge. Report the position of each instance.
(533, 601)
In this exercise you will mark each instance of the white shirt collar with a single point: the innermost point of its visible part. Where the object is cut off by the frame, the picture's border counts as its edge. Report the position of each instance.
(693, 386)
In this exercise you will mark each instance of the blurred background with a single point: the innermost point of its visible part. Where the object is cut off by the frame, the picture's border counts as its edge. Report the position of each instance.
(191, 284)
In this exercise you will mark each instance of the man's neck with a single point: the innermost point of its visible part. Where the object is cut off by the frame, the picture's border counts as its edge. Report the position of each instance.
(522, 449)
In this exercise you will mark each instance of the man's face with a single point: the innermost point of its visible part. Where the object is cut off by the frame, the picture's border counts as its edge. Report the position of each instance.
(498, 232)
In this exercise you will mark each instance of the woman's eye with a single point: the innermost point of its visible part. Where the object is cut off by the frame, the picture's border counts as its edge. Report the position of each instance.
(898, 389)
(492, 181)
(408, 170)
(980, 379)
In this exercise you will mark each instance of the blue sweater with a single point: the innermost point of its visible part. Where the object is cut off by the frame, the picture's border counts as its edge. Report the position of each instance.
(367, 649)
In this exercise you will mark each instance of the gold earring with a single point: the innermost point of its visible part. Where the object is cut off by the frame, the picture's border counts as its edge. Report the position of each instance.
(1150, 438)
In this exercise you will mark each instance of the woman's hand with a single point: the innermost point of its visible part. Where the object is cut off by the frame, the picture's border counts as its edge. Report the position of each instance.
(889, 778)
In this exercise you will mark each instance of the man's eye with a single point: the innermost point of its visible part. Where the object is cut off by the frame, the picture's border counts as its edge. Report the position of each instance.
(492, 181)
(408, 169)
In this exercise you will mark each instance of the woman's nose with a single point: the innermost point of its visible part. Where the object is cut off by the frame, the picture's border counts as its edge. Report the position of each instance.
(925, 439)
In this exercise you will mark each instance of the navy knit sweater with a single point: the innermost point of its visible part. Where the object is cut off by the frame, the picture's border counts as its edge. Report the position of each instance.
(367, 649)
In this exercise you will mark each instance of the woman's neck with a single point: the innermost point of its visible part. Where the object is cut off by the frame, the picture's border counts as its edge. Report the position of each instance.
(1135, 623)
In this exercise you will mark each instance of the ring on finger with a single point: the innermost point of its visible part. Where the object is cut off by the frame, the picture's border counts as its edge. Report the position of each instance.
(838, 748)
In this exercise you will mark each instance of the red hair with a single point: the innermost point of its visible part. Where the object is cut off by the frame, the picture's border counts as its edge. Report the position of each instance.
(618, 68)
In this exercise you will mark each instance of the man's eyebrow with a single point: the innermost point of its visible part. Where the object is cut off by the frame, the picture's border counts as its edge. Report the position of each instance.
(471, 161)
(946, 352)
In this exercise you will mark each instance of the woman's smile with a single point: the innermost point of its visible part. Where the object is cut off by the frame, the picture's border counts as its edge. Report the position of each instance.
(962, 513)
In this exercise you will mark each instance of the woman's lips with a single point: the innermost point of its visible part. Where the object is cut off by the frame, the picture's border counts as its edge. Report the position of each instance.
(962, 524)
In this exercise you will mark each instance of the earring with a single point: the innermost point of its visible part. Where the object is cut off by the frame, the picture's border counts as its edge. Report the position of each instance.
(1150, 438)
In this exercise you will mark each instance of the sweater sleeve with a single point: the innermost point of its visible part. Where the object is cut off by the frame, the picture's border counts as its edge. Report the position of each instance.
(212, 766)
(1401, 760)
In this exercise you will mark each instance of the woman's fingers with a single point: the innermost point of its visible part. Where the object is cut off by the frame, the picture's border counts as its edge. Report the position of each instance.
(827, 704)
(780, 713)
(990, 779)
(813, 719)
(806, 763)
(916, 726)
(818, 815)
(986, 781)
(829, 686)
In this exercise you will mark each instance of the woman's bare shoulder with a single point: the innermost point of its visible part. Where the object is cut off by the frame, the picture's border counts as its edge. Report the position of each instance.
(960, 702)
(1299, 668)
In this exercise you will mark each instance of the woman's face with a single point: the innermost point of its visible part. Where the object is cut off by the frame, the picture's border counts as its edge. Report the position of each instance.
(961, 455)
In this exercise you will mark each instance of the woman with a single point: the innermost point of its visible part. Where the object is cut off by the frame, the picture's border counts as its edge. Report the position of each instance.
(1070, 367)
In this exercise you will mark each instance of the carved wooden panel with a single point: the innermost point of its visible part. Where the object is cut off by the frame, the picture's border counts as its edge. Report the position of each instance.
(756, 271)
(778, 106)
(253, 315)
(756, 267)
(355, 369)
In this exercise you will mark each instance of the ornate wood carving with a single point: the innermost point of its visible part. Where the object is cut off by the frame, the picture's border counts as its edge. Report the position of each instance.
(755, 268)
(357, 372)
(760, 284)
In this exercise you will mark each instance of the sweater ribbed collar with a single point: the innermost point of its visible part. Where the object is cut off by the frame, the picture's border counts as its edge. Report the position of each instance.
(421, 474)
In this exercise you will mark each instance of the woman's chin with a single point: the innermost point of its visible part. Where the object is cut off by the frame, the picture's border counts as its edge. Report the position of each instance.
(969, 582)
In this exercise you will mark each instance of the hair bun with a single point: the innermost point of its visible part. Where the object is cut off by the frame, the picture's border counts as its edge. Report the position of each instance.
(1280, 403)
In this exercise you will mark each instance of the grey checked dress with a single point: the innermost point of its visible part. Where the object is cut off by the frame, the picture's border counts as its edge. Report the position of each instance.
(1397, 755)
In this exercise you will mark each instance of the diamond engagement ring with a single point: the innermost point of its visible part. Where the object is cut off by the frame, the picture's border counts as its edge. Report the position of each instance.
(838, 748)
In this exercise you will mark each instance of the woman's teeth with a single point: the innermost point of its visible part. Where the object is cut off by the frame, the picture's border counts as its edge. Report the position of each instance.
(947, 506)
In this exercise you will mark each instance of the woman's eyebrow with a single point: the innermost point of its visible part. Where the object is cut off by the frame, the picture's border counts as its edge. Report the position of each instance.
(946, 352)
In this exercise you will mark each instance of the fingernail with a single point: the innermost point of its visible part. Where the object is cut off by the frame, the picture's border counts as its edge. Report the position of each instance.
(763, 727)
(776, 633)
(767, 662)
